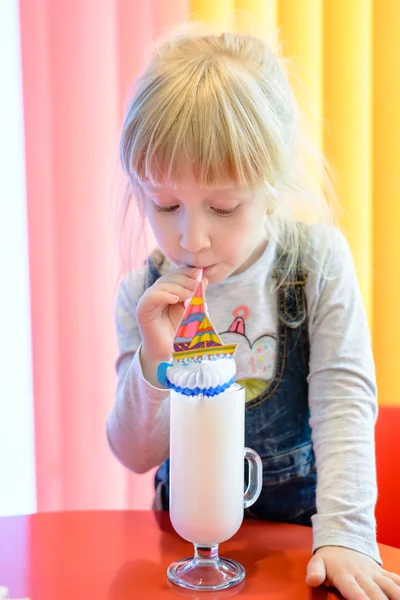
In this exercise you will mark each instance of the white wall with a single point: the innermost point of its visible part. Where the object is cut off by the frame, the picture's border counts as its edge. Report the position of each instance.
(17, 464)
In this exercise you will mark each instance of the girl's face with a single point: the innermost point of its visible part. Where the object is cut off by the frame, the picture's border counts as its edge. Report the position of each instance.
(220, 230)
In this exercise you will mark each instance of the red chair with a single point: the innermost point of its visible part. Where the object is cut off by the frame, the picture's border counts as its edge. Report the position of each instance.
(388, 469)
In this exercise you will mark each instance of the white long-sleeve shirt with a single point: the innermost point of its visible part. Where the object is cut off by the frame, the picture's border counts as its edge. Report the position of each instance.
(342, 390)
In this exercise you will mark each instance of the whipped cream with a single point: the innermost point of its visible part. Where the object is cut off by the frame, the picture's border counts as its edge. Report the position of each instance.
(210, 376)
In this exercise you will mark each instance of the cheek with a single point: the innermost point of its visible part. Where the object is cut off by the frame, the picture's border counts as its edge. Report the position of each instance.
(245, 229)
(162, 228)
(247, 233)
(234, 238)
(256, 223)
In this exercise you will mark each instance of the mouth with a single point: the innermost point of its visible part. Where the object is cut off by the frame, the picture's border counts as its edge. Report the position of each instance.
(205, 269)
(183, 265)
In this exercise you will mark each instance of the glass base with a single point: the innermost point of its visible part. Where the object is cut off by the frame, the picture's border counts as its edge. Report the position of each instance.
(199, 574)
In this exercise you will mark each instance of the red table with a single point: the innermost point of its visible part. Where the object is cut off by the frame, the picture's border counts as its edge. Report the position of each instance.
(106, 555)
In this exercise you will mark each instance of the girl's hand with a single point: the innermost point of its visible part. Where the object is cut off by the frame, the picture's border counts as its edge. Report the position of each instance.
(355, 575)
(159, 313)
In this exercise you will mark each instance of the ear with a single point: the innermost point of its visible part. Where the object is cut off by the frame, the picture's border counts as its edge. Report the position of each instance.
(270, 201)
(270, 208)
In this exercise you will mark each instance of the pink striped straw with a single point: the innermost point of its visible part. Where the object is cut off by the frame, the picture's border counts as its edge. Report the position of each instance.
(198, 278)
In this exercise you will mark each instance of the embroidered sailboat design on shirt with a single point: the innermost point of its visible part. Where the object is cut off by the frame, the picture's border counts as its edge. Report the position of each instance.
(196, 336)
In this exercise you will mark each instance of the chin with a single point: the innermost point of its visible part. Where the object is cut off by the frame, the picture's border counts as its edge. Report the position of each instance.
(213, 276)
(217, 275)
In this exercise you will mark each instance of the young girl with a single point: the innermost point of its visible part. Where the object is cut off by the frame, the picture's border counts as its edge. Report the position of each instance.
(211, 147)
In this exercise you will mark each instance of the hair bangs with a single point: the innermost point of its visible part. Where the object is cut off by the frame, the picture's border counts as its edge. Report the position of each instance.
(195, 121)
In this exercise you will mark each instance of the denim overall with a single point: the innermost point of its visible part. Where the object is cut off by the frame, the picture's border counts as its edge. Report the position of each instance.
(277, 421)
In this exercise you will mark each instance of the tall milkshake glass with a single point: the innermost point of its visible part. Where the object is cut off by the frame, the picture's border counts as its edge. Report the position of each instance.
(207, 497)
(207, 453)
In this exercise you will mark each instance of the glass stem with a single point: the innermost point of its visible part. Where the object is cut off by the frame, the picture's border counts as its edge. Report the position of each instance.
(206, 553)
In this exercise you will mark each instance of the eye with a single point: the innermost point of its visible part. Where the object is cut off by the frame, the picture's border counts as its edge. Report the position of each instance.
(225, 211)
(165, 209)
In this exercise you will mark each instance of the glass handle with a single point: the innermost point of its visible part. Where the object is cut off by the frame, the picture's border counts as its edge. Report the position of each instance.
(255, 477)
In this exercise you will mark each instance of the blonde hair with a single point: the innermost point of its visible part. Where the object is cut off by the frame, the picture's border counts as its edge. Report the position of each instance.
(223, 104)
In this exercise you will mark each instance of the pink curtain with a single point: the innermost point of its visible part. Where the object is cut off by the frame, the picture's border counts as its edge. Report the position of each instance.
(78, 57)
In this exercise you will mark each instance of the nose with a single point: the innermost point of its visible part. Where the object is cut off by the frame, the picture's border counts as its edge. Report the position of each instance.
(195, 236)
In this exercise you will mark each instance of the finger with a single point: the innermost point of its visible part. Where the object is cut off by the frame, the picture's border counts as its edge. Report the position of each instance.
(392, 576)
(388, 586)
(176, 289)
(162, 297)
(349, 587)
(181, 280)
(147, 309)
(191, 275)
(371, 588)
(192, 271)
(316, 572)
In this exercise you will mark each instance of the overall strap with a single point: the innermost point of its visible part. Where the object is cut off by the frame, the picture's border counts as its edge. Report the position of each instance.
(292, 304)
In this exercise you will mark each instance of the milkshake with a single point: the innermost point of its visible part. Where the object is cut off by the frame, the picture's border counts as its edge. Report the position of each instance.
(207, 452)
(207, 465)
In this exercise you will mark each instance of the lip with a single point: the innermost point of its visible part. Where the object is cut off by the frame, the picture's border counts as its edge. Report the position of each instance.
(204, 268)
(191, 266)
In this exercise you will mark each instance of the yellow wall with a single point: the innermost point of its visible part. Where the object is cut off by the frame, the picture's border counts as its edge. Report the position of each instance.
(348, 56)
(386, 197)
